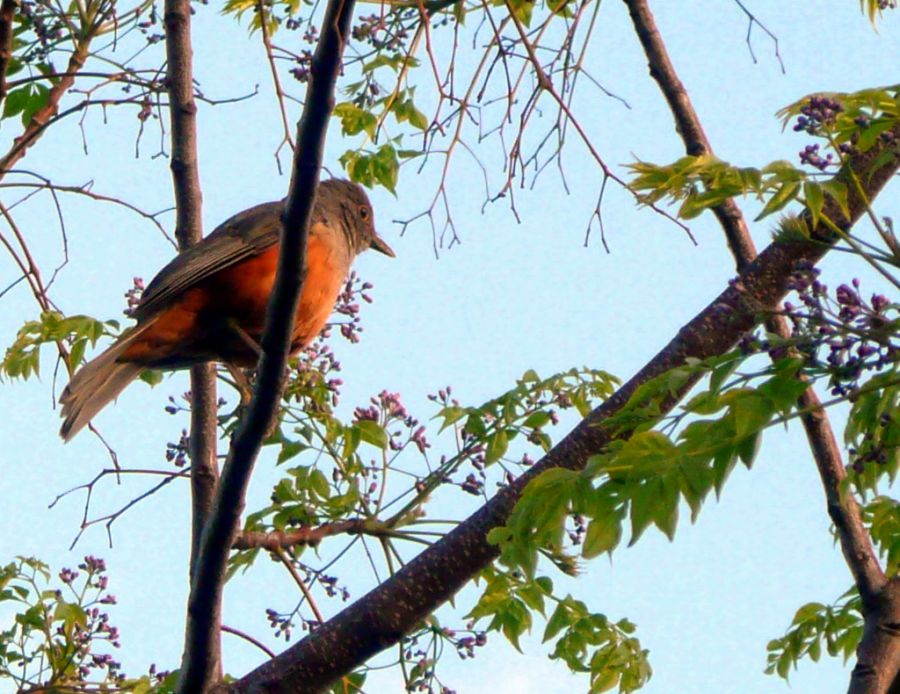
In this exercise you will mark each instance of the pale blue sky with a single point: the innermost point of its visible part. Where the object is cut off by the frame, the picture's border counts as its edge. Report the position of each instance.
(510, 297)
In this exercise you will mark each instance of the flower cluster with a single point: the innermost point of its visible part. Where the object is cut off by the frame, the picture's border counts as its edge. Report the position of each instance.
(47, 26)
(304, 65)
(148, 27)
(810, 155)
(387, 410)
(133, 295)
(859, 335)
(348, 305)
(818, 113)
(283, 624)
(178, 452)
(95, 627)
(382, 32)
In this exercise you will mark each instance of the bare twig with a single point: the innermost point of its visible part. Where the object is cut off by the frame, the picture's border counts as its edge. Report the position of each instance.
(110, 518)
(298, 579)
(261, 9)
(85, 190)
(751, 21)
(249, 639)
(546, 84)
(35, 126)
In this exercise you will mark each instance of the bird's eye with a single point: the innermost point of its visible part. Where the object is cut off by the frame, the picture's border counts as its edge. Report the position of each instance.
(364, 212)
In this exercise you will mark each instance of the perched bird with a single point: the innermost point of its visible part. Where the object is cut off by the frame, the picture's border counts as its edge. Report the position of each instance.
(209, 303)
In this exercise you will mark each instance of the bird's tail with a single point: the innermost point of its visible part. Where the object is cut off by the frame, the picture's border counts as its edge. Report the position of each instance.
(95, 385)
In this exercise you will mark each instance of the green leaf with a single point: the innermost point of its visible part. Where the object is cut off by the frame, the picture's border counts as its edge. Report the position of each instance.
(536, 420)
(643, 507)
(750, 411)
(665, 515)
(372, 433)
(152, 377)
(318, 483)
(558, 621)
(807, 612)
(748, 449)
(815, 200)
(450, 414)
(785, 193)
(289, 449)
(386, 167)
(355, 120)
(497, 444)
(838, 192)
(603, 535)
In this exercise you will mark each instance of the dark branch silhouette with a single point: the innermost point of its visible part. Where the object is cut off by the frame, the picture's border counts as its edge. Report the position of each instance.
(197, 671)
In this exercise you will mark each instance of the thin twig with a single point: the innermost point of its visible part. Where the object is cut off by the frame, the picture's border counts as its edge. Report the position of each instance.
(249, 639)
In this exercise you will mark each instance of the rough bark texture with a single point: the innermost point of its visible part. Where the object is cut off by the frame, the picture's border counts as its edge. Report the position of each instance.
(197, 671)
(380, 618)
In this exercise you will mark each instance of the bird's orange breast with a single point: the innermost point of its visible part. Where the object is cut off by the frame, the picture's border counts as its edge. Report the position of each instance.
(198, 325)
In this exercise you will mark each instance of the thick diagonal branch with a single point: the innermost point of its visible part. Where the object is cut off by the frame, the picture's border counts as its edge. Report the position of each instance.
(856, 544)
(381, 618)
(206, 588)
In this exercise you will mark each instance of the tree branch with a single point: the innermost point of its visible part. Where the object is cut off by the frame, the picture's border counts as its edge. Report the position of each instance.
(35, 127)
(381, 618)
(688, 125)
(206, 589)
(856, 544)
(188, 231)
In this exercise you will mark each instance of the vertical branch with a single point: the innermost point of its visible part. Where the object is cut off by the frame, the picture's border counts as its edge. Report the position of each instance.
(188, 231)
(197, 668)
(879, 652)
(203, 450)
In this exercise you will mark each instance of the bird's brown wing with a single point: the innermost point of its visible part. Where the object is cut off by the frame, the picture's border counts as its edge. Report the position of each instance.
(244, 235)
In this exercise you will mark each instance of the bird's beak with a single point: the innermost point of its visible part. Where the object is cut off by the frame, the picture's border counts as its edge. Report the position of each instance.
(380, 245)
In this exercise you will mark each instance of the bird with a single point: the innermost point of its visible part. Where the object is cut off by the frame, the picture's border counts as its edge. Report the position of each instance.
(209, 302)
